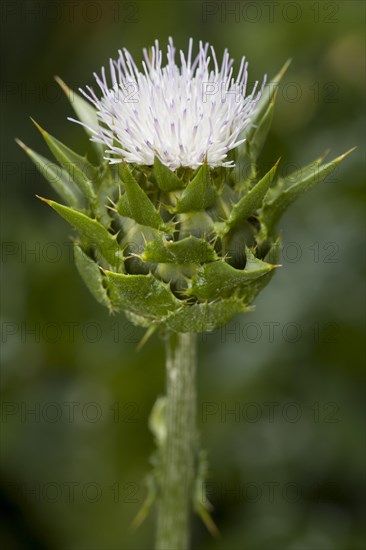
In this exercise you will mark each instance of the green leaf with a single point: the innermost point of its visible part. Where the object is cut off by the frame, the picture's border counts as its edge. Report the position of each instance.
(205, 317)
(166, 179)
(218, 279)
(108, 190)
(81, 171)
(85, 113)
(123, 206)
(303, 173)
(284, 183)
(198, 224)
(92, 231)
(143, 295)
(92, 276)
(254, 143)
(250, 202)
(273, 210)
(59, 179)
(268, 98)
(199, 193)
(190, 250)
(140, 207)
(254, 265)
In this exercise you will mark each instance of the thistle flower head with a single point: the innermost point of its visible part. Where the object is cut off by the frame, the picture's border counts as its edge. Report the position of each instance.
(183, 251)
(184, 114)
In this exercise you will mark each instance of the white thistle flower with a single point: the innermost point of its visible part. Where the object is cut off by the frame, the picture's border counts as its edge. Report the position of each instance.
(183, 115)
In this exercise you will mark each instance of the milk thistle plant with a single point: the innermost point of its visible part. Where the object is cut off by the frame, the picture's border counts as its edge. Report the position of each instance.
(176, 227)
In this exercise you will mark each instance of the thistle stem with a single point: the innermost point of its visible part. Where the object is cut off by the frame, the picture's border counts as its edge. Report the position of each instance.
(178, 460)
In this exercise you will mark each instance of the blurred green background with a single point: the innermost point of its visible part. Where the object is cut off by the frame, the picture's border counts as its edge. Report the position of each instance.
(281, 390)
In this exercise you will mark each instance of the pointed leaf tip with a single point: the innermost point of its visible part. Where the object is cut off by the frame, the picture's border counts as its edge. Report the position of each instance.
(85, 112)
(324, 155)
(64, 87)
(313, 174)
(136, 203)
(341, 157)
(81, 171)
(251, 201)
(38, 126)
(47, 201)
(60, 181)
(93, 233)
(199, 193)
(21, 144)
(285, 67)
(166, 179)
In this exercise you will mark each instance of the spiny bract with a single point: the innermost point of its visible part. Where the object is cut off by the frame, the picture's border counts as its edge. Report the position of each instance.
(178, 233)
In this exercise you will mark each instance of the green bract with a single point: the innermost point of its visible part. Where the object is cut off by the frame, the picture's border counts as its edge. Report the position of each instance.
(186, 250)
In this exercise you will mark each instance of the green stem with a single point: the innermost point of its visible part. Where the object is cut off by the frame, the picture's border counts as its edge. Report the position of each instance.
(178, 459)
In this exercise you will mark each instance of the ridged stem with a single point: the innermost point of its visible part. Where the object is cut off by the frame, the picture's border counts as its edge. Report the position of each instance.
(178, 459)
